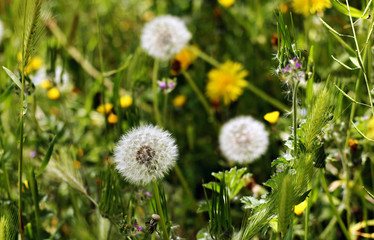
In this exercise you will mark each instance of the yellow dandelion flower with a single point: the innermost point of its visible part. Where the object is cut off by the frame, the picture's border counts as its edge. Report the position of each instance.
(125, 101)
(307, 7)
(45, 84)
(183, 60)
(36, 63)
(227, 82)
(76, 164)
(179, 100)
(53, 93)
(112, 118)
(26, 183)
(105, 108)
(370, 129)
(283, 7)
(272, 117)
(226, 3)
(299, 209)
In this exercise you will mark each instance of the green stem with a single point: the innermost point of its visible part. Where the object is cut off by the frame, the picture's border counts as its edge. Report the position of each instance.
(201, 97)
(335, 211)
(154, 91)
(294, 118)
(264, 96)
(35, 197)
(165, 110)
(185, 186)
(206, 57)
(159, 210)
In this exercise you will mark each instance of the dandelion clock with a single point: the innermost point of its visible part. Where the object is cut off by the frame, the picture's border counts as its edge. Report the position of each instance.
(145, 154)
(243, 139)
(164, 36)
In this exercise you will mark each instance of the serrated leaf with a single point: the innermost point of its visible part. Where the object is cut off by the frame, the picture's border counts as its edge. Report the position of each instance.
(47, 156)
(13, 77)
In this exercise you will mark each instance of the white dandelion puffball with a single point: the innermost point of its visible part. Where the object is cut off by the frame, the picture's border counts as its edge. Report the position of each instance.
(164, 36)
(243, 139)
(144, 154)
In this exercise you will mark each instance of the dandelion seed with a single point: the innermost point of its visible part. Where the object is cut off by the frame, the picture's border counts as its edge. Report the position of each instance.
(164, 37)
(227, 82)
(243, 139)
(145, 154)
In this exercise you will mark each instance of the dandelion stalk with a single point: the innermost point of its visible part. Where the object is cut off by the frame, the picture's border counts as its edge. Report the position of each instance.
(201, 97)
(154, 91)
(159, 209)
(185, 186)
(294, 117)
(335, 211)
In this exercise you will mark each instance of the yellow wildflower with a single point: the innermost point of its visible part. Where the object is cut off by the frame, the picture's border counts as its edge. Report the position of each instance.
(226, 3)
(299, 209)
(179, 100)
(112, 118)
(105, 108)
(26, 183)
(283, 7)
(272, 117)
(36, 63)
(53, 93)
(80, 152)
(125, 101)
(307, 7)
(226, 82)
(183, 60)
(370, 130)
(45, 84)
(76, 164)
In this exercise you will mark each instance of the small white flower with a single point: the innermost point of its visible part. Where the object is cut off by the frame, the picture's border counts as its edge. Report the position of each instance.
(144, 154)
(243, 139)
(164, 36)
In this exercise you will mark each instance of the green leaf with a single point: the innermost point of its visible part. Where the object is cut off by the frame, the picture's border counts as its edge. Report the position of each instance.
(367, 191)
(344, 65)
(47, 156)
(343, 9)
(359, 132)
(6, 93)
(303, 197)
(13, 77)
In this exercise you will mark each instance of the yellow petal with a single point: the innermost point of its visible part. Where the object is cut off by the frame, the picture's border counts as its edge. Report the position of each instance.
(45, 84)
(226, 3)
(112, 118)
(36, 63)
(125, 101)
(105, 108)
(53, 93)
(299, 209)
(272, 117)
(179, 100)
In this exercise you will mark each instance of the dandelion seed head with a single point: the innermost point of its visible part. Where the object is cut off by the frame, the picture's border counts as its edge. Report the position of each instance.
(144, 154)
(164, 36)
(243, 139)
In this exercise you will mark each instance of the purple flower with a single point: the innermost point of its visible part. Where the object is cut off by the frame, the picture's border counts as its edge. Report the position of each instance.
(171, 85)
(148, 194)
(365, 118)
(161, 84)
(298, 65)
(32, 154)
(138, 228)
